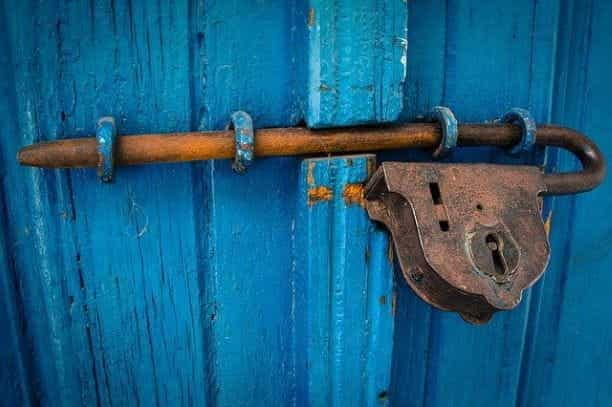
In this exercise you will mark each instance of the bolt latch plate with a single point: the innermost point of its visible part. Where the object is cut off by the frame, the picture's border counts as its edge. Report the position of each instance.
(469, 238)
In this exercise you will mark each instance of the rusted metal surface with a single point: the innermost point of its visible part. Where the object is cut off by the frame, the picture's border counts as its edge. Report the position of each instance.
(468, 237)
(450, 131)
(353, 194)
(106, 134)
(318, 194)
(242, 125)
(523, 118)
(178, 147)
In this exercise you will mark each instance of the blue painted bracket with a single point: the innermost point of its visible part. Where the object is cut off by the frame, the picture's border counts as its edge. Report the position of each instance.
(244, 141)
(523, 118)
(450, 130)
(106, 134)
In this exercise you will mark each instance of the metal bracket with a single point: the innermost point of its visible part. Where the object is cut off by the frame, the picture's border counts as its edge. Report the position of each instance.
(106, 134)
(450, 130)
(182, 147)
(244, 141)
(469, 237)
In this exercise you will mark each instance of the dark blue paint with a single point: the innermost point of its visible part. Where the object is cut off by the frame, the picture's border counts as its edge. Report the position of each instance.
(185, 284)
(517, 358)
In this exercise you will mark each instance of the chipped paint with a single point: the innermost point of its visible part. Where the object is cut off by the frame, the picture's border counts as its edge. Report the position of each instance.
(353, 194)
(318, 194)
(390, 252)
(311, 17)
(548, 224)
(310, 174)
(341, 275)
(371, 167)
(198, 220)
(342, 92)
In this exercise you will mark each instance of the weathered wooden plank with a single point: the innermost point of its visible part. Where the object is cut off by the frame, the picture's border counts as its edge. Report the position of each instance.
(31, 200)
(571, 341)
(15, 368)
(437, 356)
(356, 61)
(110, 267)
(136, 258)
(247, 275)
(182, 284)
(344, 288)
(15, 356)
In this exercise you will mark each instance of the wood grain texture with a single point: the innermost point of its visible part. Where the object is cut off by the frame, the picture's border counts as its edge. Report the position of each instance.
(571, 323)
(529, 356)
(479, 76)
(343, 289)
(181, 284)
(356, 53)
(246, 223)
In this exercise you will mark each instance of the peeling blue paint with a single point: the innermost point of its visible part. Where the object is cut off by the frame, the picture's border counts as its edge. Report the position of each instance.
(356, 54)
(450, 130)
(192, 294)
(522, 118)
(344, 289)
(106, 133)
(244, 141)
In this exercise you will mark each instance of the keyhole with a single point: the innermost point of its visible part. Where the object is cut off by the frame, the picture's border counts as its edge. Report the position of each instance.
(436, 197)
(496, 246)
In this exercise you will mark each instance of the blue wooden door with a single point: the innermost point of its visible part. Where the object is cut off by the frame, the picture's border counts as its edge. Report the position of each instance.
(185, 284)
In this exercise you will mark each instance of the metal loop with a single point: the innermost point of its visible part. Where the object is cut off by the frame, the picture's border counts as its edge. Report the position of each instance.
(523, 118)
(244, 141)
(450, 130)
(106, 134)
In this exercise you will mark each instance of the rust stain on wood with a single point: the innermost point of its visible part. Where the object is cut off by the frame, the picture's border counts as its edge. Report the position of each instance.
(311, 17)
(548, 224)
(371, 167)
(353, 194)
(310, 175)
(390, 252)
(318, 194)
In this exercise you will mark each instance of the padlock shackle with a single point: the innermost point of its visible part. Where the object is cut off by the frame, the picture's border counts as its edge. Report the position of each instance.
(193, 146)
(592, 160)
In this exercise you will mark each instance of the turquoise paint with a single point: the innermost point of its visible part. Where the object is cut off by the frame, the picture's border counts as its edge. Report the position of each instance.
(343, 287)
(517, 358)
(450, 131)
(524, 119)
(571, 330)
(186, 284)
(356, 54)
(106, 134)
(480, 77)
(244, 143)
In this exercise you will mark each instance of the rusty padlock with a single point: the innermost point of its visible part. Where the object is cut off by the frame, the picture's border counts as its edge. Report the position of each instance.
(470, 238)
